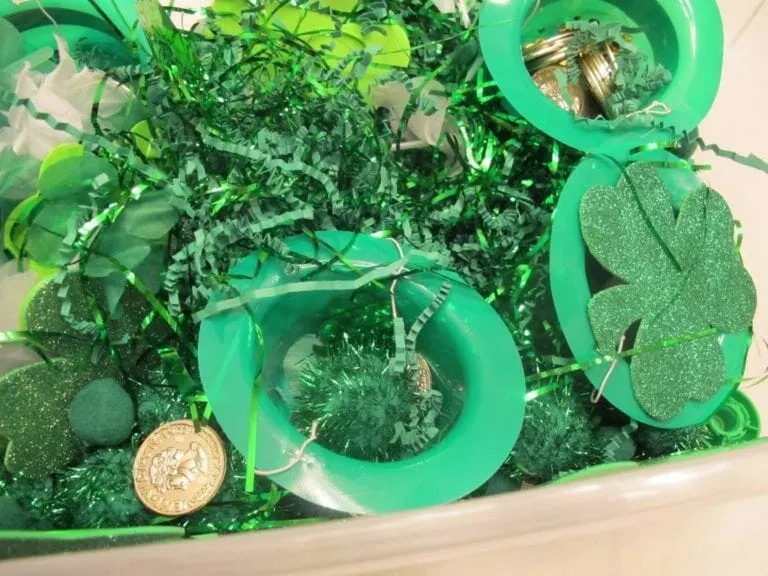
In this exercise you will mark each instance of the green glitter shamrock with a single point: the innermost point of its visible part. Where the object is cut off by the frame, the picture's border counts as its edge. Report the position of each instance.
(33, 418)
(682, 278)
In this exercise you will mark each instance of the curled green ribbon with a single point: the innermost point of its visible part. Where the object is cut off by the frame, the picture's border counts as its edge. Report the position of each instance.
(372, 275)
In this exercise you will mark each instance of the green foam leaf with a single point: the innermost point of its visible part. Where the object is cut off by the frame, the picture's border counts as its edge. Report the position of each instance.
(48, 227)
(683, 276)
(114, 245)
(70, 180)
(150, 217)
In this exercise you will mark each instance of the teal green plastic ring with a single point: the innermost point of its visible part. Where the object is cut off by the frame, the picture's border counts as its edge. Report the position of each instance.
(686, 36)
(103, 23)
(571, 291)
(465, 341)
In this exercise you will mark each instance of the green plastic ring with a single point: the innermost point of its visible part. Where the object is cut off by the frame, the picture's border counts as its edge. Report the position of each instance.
(686, 36)
(571, 291)
(466, 342)
(103, 23)
(737, 421)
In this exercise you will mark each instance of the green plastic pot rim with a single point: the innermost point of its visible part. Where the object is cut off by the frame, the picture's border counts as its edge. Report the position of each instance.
(699, 28)
(472, 450)
(571, 293)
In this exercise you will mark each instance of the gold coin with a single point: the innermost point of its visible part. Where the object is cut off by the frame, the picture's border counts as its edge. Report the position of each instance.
(599, 68)
(555, 59)
(425, 375)
(178, 469)
(545, 46)
(581, 101)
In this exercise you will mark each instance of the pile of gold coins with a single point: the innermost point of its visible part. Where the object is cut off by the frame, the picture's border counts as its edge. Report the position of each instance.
(545, 57)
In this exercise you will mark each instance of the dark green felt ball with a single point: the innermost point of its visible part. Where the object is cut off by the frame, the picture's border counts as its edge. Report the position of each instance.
(102, 413)
(12, 516)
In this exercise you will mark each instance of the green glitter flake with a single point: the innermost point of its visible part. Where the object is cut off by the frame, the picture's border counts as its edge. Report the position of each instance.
(682, 277)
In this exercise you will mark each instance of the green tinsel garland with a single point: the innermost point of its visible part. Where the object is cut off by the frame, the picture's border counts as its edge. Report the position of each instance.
(98, 493)
(157, 404)
(363, 409)
(36, 498)
(558, 436)
(615, 445)
(657, 442)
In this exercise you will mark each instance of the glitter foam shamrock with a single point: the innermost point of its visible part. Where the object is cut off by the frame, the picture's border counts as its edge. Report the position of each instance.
(35, 399)
(681, 277)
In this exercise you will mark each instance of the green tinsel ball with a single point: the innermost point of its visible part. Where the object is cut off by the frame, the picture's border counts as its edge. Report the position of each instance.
(36, 497)
(156, 405)
(102, 413)
(12, 515)
(557, 437)
(606, 437)
(364, 321)
(99, 492)
(658, 442)
(357, 402)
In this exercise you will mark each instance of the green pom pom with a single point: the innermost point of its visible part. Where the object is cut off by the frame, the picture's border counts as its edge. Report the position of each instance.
(12, 516)
(557, 437)
(102, 413)
(99, 492)
(658, 442)
(364, 411)
(614, 444)
(156, 405)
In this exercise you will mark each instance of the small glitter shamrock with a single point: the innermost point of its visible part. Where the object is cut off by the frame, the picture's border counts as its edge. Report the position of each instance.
(681, 277)
(387, 44)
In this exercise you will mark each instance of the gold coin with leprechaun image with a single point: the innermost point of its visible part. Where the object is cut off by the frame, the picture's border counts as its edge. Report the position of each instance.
(179, 469)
